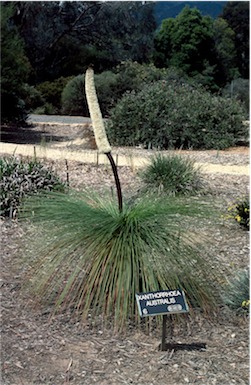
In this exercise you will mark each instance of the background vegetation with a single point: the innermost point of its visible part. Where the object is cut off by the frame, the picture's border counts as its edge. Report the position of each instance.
(46, 44)
(173, 114)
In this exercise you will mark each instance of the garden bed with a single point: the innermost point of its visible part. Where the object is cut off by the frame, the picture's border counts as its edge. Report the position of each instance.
(35, 351)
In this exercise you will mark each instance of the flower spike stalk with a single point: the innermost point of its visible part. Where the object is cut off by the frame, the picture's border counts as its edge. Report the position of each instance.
(95, 113)
(99, 128)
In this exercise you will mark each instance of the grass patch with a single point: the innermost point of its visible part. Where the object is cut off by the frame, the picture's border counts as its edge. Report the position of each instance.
(172, 175)
(20, 178)
(237, 295)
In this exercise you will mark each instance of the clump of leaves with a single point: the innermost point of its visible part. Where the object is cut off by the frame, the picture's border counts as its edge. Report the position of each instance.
(171, 114)
(237, 292)
(93, 258)
(19, 178)
(240, 211)
(172, 174)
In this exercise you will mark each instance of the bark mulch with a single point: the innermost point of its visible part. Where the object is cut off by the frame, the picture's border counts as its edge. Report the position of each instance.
(62, 351)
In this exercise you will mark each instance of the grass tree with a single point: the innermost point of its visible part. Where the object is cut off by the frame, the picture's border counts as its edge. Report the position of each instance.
(94, 255)
(93, 258)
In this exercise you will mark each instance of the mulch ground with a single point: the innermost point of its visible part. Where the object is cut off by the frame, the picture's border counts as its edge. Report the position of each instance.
(62, 351)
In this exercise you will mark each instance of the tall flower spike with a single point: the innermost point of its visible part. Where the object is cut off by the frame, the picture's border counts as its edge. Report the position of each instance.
(95, 113)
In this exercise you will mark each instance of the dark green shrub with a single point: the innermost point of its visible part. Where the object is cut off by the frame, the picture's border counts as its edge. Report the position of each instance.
(238, 89)
(111, 86)
(240, 211)
(133, 76)
(172, 174)
(19, 178)
(73, 96)
(51, 93)
(33, 98)
(237, 292)
(174, 115)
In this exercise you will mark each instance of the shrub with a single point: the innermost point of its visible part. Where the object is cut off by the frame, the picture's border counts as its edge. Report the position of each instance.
(73, 96)
(92, 258)
(133, 76)
(238, 89)
(33, 98)
(19, 178)
(173, 115)
(172, 174)
(237, 292)
(240, 211)
(111, 85)
(51, 93)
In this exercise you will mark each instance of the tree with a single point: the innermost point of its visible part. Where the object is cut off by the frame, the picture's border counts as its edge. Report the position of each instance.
(55, 34)
(202, 47)
(129, 29)
(62, 38)
(236, 13)
(15, 69)
(185, 42)
(163, 43)
(225, 52)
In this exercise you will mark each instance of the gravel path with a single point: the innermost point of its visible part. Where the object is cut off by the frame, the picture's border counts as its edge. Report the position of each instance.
(57, 119)
(91, 156)
(71, 138)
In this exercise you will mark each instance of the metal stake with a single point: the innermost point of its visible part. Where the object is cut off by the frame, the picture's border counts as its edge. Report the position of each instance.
(163, 340)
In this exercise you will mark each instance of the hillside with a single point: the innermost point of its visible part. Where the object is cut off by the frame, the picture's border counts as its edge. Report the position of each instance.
(166, 9)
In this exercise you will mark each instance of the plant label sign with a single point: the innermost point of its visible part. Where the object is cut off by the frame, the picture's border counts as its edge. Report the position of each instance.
(161, 302)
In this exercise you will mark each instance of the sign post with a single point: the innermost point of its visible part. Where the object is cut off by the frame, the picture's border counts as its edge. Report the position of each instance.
(162, 303)
(163, 339)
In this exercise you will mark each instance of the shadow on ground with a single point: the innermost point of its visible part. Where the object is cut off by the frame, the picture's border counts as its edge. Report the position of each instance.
(27, 135)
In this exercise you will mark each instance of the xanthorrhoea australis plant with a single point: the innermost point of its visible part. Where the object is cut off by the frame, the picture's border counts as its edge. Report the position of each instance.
(92, 258)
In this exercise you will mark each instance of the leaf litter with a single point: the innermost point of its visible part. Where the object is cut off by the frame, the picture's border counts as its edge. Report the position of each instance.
(61, 351)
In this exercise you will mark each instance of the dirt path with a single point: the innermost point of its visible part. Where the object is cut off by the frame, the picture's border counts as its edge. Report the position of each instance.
(91, 156)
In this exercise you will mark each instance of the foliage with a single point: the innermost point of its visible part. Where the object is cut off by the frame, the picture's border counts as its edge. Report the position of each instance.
(173, 115)
(225, 52)
(73, 97)
(201, 47)
(19, 178)
(93, 258)
(33, 98)
(111, 85)
(51, 93)
(236, 294)
(240, 211)
(63, 38)
(172, 174)
(185, 42)
(238, 89)
(15, 68)
(133, 76)
(236, 13)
